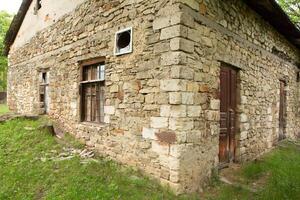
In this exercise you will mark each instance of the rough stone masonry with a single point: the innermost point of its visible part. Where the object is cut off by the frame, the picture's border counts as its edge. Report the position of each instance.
(162, 101)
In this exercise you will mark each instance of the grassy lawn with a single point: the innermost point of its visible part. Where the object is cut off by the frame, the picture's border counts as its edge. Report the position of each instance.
(275, 176)
(31, 168)
(3, 109)
(27, 172)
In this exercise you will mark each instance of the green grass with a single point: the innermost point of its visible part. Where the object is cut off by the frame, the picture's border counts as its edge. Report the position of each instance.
(25, 175)
(282, 167)
(276, 176)
(26, 172)
(3, 109)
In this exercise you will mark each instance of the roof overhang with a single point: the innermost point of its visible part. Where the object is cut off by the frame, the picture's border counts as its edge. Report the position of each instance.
(273, 13)
(15, 26)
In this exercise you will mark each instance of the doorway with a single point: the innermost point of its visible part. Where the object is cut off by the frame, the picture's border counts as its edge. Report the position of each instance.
(228, 101)
(282, 111)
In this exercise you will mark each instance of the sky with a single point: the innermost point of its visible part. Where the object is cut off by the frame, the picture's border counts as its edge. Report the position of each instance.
(10, 6)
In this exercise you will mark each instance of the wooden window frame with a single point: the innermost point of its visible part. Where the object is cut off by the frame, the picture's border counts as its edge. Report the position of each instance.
(43, 84)
(99, 85)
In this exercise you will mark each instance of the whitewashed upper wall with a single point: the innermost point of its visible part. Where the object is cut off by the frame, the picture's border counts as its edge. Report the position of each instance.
(48, 14)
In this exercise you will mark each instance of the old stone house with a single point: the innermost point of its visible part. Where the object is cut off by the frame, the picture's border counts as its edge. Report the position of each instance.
(177, 88)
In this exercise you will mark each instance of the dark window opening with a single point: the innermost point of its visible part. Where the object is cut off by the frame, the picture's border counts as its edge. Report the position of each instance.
(39, 4)
(92, 93)
(123, 41)
(44, 85)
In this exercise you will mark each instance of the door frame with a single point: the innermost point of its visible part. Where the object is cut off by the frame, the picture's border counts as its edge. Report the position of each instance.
(233, 138)
(282, 110)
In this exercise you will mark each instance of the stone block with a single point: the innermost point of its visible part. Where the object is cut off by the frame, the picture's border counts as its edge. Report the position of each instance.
(107, 119)
(143, 75)
(195, 136)
(183, 18)
(173, 58)
(194, 35)
(181, 124)
(162, 98)
(176, 150)
(173, 163)
(132, 86)
(214, 104)
(174, 176)
(161, 22)
(192, 87)
(159, 148)
(149, 133)
(203, 88)
(243, 135)
(149, 98)
(175, 71)
(175, 98)
(159, 122)
(211, 115)
(182, 72)
(114, 89)
(181, 44)
(200, 98)
(165, 111)
(178, 111)
(194, 4)
(187, 98)
(115, 77)
(173, 31)
(207, 41)
(172, 85)
(161, 47)
(109, 110)
(243, 118)
(194, 111)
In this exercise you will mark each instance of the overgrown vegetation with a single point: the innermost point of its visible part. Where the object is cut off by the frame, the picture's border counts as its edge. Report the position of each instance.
(5, 20)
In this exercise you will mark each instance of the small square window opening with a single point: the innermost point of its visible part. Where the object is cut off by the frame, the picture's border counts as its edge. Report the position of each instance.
(123, 42)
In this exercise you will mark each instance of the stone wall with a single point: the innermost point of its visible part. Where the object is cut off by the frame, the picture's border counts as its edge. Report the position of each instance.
(132, 94)
(229, 32)
(162, 104)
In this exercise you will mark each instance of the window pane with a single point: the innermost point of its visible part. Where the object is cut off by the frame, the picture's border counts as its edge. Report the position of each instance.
(92, 93)
(101, 72)
(93, 102)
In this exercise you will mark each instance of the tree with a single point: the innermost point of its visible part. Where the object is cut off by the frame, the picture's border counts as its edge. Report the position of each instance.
(5, 20)
(292, 8)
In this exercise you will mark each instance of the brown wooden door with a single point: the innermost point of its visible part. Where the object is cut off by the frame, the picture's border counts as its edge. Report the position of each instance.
(228, 81)
(282, 111)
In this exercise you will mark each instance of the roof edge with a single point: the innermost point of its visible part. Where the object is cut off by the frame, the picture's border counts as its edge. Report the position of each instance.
(15, 26)
(272, 12)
